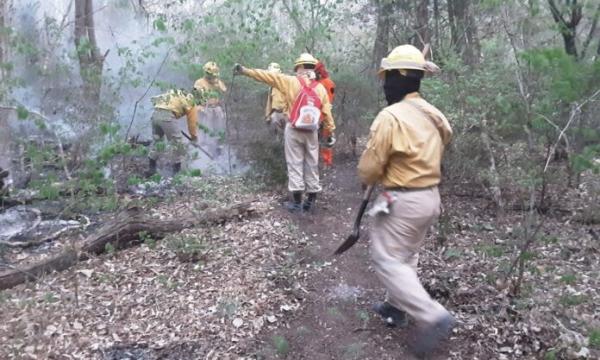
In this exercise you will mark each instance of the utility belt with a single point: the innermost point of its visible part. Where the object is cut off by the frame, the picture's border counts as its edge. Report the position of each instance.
(407, 189)
(389, 196)
(167, 111)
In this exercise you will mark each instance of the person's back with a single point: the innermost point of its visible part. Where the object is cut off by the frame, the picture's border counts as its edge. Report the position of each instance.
(416, 133)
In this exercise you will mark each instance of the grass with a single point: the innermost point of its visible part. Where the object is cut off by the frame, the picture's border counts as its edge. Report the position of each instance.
(568, 279)
(354, 351)
(572, 300)
(281, 344)
(490, 250)
(594, 339)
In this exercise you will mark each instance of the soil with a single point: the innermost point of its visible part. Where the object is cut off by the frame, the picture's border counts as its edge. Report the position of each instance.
(459, 266)
(337, 321)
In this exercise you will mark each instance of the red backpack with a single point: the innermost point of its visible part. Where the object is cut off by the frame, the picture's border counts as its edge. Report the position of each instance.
(306, 110)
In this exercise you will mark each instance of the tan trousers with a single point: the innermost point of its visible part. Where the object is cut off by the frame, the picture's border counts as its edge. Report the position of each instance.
(213, 118)
(396, 240)
(164, 125)
(302, 157)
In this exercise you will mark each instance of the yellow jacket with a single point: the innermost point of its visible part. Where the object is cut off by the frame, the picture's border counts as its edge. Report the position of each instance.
(405, 148)
(213, 87)
(179, 104)
(275, 101)
(290, 88)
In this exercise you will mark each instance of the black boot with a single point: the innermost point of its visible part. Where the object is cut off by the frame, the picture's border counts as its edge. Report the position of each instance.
(309, 202)
(430, 337)
(393, 317)
(296, 204)
(151, 167)
(176, 168)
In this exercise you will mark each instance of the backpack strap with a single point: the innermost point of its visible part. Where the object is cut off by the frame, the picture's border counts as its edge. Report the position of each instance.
(427, 115)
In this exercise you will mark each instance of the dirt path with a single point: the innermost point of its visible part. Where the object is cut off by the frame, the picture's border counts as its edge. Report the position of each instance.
(336, 321)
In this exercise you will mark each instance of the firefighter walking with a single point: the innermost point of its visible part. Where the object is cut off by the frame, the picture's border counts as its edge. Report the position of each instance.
(403, 154)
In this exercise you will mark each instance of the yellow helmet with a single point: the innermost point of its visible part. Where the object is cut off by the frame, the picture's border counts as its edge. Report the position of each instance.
(211, 68)
(403, 57)
(305, 58)
(274, 67)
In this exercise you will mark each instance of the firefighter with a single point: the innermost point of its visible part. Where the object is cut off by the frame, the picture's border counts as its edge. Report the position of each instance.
(168, 108)
(301, 146)
(212, 115)
(326, 151)
(404, 154)
(276, 109)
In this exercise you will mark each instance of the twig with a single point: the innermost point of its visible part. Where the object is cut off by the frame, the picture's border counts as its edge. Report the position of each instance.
(146, 92)
(574, 111)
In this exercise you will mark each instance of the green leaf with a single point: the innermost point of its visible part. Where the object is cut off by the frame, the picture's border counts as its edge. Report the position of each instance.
(159, 24)
(22, 112)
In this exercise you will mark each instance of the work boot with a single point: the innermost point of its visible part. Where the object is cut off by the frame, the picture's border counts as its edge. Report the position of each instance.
(431, 336)
(151, 168)
(391, 315)
(309, 202)
(176, 168)
(296, 204)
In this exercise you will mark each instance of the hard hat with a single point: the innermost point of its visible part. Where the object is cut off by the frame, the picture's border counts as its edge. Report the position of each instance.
(211, 68)
(274, 67)
(305, 58)
(403, 57)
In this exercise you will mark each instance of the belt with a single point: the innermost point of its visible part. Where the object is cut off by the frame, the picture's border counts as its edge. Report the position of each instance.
(407, 189)
(277, 111)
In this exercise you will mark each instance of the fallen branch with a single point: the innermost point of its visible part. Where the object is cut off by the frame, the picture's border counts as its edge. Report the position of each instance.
(122, 232)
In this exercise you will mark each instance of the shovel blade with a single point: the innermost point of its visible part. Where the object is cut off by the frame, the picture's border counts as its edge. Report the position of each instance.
(348, 243)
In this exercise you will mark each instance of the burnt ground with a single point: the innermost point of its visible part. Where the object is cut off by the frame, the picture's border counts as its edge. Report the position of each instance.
(460, 264)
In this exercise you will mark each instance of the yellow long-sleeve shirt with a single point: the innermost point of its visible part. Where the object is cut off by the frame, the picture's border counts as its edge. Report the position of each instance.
(275, 101)
(406, 144)
(179, 104)
(290, 88)
(212, 85)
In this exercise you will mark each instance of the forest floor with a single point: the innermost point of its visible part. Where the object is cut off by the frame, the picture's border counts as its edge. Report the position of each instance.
(268, 287)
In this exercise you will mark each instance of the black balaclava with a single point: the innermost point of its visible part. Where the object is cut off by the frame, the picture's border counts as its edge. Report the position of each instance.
(396, 85)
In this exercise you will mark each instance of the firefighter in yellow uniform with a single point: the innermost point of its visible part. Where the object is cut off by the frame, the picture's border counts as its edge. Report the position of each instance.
(212, 116)
(301, 146)
(404, 154)
(168, 108)
(277, 108)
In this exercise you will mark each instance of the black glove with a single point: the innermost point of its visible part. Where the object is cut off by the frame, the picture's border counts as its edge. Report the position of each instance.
(238, 69)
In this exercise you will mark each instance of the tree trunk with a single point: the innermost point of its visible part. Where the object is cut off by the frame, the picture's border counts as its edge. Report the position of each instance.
(123, 231)
(382, 36)
(423, 21)
(91, 61)
(567, 26)
(463, 31)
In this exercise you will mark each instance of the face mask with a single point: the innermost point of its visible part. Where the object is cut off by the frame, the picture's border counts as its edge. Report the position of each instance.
(396, 86)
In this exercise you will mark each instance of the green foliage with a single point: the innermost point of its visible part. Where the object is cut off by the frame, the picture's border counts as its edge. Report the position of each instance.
(109, 249)
(568, 279)
(594, 339)
(570, 300)
(281, 345)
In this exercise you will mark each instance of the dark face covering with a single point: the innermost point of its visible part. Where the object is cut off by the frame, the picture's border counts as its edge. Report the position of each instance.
(396, 85)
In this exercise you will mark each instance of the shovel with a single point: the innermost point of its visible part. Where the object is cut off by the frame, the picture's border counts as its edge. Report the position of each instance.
(196, 145)
(353, 238)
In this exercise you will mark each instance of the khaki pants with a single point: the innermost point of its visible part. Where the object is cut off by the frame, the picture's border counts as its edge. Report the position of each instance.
(164, 125)
(396, 240)
(213, 119)
(302, 157)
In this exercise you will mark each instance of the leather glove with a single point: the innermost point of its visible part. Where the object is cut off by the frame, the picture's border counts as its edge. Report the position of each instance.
(330, 141)
(238, 69)
(193, 138)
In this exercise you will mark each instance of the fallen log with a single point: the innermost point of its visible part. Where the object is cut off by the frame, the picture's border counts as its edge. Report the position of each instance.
(123, 231)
